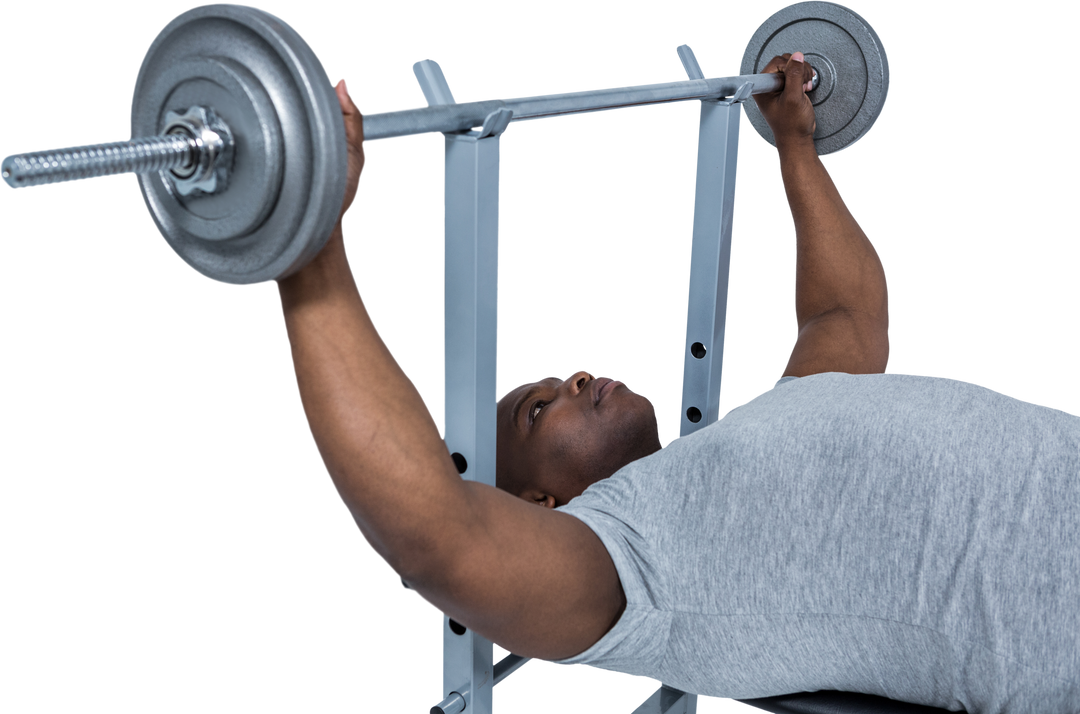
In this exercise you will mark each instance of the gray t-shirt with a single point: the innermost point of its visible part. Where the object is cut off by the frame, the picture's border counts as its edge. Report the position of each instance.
(910, 537)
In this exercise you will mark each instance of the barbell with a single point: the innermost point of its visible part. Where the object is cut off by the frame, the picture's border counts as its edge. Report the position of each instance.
(239, 141)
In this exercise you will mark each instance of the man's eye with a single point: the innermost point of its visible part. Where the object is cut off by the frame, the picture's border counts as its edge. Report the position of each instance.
(536, 410)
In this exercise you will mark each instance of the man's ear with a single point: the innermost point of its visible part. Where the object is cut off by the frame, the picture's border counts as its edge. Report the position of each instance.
(541, 499)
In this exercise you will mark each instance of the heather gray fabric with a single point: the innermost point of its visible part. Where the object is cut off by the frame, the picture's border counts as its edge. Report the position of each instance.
(910, 537)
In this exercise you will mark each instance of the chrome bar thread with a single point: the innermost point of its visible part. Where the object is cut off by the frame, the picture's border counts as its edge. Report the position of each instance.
(91, 161)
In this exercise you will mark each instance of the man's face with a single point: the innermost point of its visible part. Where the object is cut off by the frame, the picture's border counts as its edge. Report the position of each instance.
(558, 437)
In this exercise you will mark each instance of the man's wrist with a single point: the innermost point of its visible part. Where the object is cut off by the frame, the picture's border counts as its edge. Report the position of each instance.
(325, 270)
(796, 146)
(332, 253)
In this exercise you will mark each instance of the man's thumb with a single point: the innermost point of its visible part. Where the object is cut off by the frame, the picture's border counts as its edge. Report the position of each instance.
(793, 74)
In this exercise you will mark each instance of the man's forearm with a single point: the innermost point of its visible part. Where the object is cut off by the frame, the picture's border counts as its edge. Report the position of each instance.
(837, 267)
(378, 440)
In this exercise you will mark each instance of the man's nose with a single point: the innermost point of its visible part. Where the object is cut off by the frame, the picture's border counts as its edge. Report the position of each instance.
(577, 382)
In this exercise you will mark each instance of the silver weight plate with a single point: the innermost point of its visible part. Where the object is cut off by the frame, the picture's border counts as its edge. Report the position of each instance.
(287, 181)
(849, 58)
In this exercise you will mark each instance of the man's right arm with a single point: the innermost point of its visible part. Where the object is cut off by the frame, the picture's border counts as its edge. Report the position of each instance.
(841, 301)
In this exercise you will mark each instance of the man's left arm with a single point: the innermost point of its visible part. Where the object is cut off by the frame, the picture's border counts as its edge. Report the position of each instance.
(375, 435)
(536, 581)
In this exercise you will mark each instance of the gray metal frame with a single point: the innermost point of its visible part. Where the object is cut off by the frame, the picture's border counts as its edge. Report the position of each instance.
(472, 212)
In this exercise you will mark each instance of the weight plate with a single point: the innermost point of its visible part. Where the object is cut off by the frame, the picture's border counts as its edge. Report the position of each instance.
(849, 58)
(287, 181)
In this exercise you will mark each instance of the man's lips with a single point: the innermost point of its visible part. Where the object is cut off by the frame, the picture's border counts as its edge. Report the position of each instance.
(607, 387)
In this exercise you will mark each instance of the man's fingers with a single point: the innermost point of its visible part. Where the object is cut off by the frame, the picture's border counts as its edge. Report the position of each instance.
(354, 121)
(797, 74)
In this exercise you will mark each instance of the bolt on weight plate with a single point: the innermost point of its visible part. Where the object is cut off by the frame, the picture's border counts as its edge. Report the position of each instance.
(287, 179)
(852, 68)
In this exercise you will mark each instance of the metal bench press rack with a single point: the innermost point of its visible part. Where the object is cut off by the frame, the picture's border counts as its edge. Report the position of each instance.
(472, 199)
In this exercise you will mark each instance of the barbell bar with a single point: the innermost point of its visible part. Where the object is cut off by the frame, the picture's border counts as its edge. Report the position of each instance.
(163, 153)
(240, 146)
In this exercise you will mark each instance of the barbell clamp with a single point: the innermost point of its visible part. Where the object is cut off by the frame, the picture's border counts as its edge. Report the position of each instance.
(208, 171)
(495, 124)
(741, 94)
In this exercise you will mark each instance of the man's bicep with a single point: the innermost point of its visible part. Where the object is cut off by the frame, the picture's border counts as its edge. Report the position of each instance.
(537, 582)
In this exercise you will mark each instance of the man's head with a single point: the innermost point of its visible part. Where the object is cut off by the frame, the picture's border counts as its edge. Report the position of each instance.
(558, 437)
